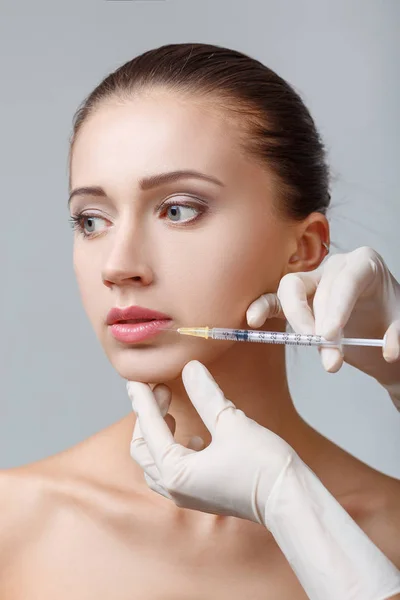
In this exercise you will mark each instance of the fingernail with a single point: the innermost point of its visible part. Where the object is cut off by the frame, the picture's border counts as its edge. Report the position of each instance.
(330, 359)
(196, 443)
(251, 316)
(164, 406)
(391, 346)
(391, 354)
(163, 399)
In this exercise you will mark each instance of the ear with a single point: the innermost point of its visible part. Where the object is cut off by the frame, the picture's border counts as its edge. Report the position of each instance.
(310, 250)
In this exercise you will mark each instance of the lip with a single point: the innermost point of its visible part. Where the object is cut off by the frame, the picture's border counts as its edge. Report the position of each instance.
(131, 333)
(117, 314)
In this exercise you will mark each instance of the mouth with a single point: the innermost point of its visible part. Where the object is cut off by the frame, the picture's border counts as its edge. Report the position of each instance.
(134, 314)
(134, 324)
(135, 321)
(133, 331)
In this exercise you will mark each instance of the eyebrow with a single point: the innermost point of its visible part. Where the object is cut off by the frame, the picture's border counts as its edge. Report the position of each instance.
(148, 182)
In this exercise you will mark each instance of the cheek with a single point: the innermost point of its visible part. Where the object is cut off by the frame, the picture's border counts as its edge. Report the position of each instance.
(89, 284)
(221, 270)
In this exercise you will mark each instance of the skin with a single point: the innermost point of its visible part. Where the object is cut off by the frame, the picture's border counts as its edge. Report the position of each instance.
(83, 522)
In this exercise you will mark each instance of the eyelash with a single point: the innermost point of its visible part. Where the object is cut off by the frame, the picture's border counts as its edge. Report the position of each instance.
(76, 219)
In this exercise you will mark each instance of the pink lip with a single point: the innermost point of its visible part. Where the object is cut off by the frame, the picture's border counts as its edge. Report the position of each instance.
(136, 332)
(131, 333)
(134, 312)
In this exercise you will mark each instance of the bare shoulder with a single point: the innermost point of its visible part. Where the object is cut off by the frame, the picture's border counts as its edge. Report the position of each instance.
(82, 481)
(28, 495)
(56, 491)
(42, 502)
(21, 496)
(14, 496)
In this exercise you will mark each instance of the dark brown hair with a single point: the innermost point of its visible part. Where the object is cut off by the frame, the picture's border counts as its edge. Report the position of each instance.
(279, 130)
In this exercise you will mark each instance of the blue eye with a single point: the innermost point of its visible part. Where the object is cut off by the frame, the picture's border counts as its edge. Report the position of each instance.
(77, 223)
(91, 219)
(180, 212)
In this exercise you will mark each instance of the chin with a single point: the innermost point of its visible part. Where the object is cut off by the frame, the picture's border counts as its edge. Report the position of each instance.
(148, 364)
(162, 364)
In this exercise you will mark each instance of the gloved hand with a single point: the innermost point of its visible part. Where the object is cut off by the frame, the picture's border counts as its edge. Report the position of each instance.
(241, 465)
(249, 472)
(353, 292)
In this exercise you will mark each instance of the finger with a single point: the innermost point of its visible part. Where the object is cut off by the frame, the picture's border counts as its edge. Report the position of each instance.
(205, 394)
(349, 284)
(331, 358)
(162, 394)
(157, 487)
(139, 450)
(324, 290)
(196, 443)
(155, 430)
(140, 453)
(265, 307)
(293, 290)
(391, 349)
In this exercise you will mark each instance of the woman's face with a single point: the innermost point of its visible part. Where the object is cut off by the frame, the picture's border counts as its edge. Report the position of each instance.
(193, 249)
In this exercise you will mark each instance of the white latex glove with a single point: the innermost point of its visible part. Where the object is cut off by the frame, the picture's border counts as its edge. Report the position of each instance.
(249, 472)
(354, 292)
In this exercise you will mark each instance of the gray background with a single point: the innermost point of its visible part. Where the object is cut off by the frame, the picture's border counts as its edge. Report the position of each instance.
(57, 385)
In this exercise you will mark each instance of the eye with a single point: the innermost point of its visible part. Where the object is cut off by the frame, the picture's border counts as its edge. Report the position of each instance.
(177, 212)
(77, 222)
(91, 221)
(183, 212)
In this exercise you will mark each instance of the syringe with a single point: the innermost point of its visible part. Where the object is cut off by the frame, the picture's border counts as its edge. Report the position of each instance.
(274, 337)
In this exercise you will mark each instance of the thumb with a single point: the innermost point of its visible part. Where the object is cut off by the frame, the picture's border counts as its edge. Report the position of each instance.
(265, 307)
(205, 394)
(196, 443)
(391, 350)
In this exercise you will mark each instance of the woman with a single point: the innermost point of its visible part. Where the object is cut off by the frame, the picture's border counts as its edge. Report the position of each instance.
(207, 181)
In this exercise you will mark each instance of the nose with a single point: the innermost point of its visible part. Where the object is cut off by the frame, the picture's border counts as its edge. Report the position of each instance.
(128, 261)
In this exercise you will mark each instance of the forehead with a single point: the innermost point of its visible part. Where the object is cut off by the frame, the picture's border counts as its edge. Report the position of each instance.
(155, 132)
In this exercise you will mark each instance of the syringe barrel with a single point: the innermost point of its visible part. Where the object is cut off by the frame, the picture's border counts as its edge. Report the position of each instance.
(268, 337)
